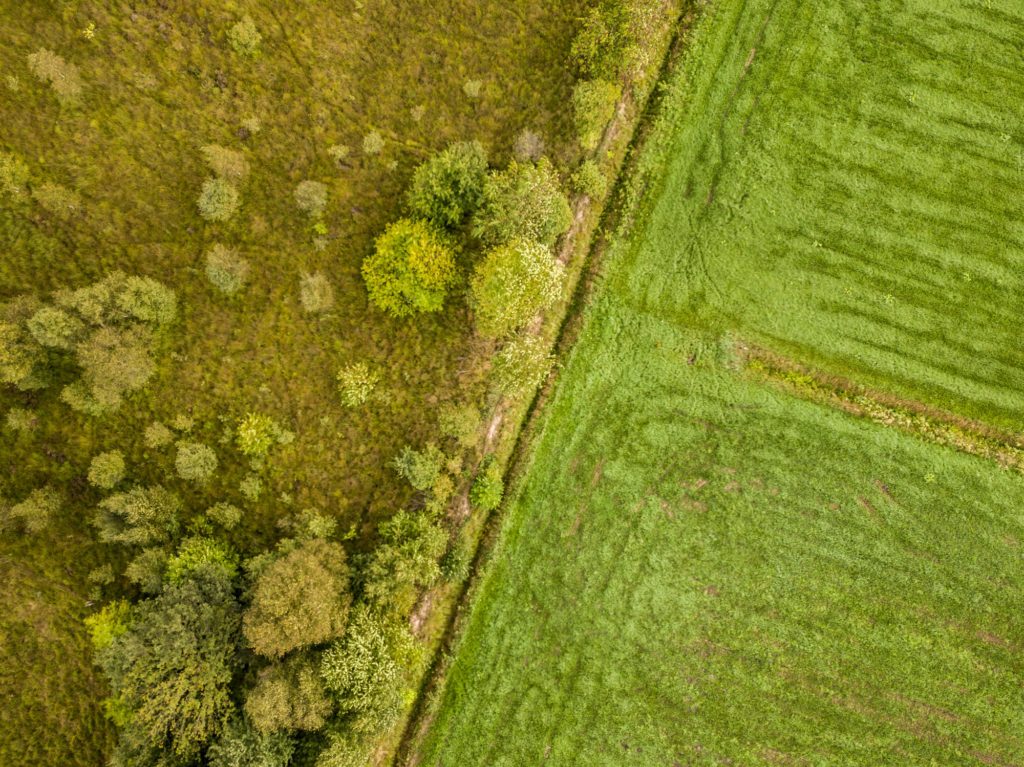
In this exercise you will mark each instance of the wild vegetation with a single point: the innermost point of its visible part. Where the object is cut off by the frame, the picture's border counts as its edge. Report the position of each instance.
(697, 566)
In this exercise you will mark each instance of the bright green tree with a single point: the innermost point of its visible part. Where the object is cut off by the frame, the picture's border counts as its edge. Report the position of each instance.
(512, 284)
(411, 269)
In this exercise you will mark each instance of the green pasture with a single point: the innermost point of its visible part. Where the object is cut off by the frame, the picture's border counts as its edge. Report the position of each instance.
(700, 570)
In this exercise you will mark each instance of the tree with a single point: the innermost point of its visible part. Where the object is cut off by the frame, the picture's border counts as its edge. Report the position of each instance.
(55, 328)
(462, 422)
(242, 745)
(218, 200)
(523, 201)
(512, 284)
(405, 560)
(450, 185)
(195, 461)
(140, 516)
(300, 599)
(106, 469)
(257, 433)
(170, 672)
(589, 180)
(420, 467)
(199, 552)
(363, 670)
(114, 362)
(411, 269)
(288, 696)
(22, 357)
(36, 510)
(244, 38)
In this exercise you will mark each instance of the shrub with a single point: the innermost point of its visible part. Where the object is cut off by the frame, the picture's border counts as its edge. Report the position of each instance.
(140, 516)
(345, 748)
(229, 164)
(462, 422)
(420, 467)
(488, 487)
(157, 435)
(225, 515)
(62, 76)
(589, 180)
(198, 552)
(405, 561)
(114, 362)
(521, 365)
(57, 199)
(473, 88)
(226, 270)
(456, 562)
(195, 461)
(356, 383)
(37, 509)
(373, 143)
(170, 672)
(411, 269)
(147, 300)
(311, 197)
(106, 469)
(300, 599)
(13, 174)
(449, 186)
(218, 200)
(593, 106)
(316, 293)
(288, 696)
(251, 488)
(21, 420)
(23, 361)
(528, 146)
(362, 670)
(523, 201)
(512, 284)
(242, 745)
(244, 38)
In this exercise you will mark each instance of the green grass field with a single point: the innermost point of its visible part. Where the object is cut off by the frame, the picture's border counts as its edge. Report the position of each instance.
(698, 569)
(160, 81)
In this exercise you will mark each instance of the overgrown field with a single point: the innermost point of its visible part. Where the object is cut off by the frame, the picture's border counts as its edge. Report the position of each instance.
(352, 95)
(701, 569)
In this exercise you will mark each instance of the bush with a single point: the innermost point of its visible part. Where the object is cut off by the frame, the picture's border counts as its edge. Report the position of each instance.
(521, 365)
(488, 487)
(345, 748)
(589, 180)
(147, 570)
(62, 76)
(316, 293)
(256, 434)
(114, 362)
(411, 269)
(362, 670)
(37, 509)
(420, 467)
(147, 300)
(198, 552)
(288, 696)
(157, 435)
(226, 270)
(140, 516)
(300, 599)
(251, 488)
(55, 328)
(57, 199)
(356, 383)
(373, 143)
(462, 422)
(512, 284)
(523, 201)
(195, 461)
(106, 469)
(242, 745)
(528, 146)
(473, 88)
(21, 420)
(449, 186)
(311, 197)
(108, 624)
(229, 164)
(405, 561)
(244, 38)
(218, 200)
(225, 515)
(593, 106)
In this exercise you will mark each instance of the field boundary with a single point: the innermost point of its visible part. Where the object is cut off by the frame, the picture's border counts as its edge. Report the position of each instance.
(523, 431)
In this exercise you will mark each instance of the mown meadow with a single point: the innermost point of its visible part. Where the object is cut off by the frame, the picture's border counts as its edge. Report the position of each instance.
(699, 567)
